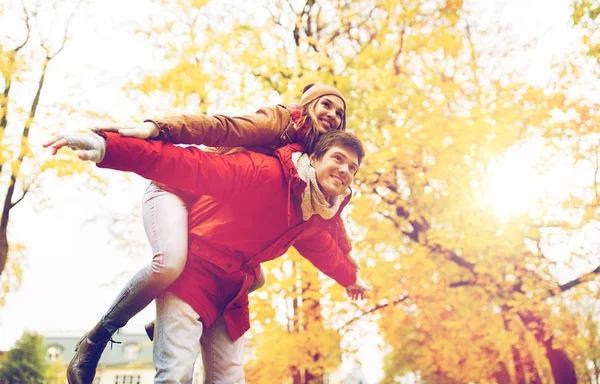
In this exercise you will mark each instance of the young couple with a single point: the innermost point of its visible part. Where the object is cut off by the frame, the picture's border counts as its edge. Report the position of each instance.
(213, 218)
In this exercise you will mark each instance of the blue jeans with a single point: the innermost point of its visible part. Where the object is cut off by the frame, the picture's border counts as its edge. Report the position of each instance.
(178, 336)
(165, 222)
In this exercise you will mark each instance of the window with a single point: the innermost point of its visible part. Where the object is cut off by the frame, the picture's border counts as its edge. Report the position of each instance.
(54, 353)
(131, 352)
(128, 379)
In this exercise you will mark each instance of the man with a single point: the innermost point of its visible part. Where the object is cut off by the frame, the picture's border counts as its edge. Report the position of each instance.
(251, 208)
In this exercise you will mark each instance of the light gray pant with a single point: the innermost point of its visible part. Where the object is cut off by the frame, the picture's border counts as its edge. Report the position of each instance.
(166, 225)
(178, 331)
(179, 334)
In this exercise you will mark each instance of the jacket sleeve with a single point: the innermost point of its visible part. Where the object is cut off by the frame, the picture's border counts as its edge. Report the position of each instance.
(264, 127)
(339, 233)
(322, 251)
(189, 168)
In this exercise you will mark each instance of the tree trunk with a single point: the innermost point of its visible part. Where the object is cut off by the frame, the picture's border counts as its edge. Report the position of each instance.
(3, 247)
(533, 373)
(312, 379)
(312, 317)
(8, 199)
(5, 214)
(4, 225)
(296, 378)
(4, 111)
(519, 370)
(563, 368)
(502, 376)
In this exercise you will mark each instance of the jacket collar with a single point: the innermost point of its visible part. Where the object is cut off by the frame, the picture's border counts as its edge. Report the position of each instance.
(295, 183)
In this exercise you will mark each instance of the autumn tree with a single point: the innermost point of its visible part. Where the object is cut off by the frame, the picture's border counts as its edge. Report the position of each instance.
(297, 338)
(466, 277)
(585, 14)
(474, 296)
(26, 52)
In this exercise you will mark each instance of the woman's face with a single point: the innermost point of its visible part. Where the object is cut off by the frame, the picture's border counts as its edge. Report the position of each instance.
(329, 112)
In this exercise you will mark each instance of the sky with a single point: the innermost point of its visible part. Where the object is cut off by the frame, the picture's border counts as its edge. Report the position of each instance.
(75, 267)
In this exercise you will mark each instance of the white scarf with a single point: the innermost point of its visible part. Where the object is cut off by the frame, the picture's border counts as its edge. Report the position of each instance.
(313, 200)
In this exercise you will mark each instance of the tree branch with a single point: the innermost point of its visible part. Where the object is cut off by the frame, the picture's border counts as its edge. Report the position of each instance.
(20, 198)
(28, 28)
(373, 310)
(465, 283)
(580, 280)
(399, 52)
(65, 34)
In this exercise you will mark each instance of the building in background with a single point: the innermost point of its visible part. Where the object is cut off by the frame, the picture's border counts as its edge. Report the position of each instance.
(130, 362)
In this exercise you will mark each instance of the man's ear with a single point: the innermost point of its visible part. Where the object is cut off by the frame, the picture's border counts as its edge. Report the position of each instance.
(313, 159)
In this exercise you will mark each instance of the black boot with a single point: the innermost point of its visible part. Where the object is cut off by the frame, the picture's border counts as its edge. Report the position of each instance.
(82, 368)
(150, 330)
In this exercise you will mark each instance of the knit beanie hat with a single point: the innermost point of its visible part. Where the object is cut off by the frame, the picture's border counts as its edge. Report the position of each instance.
(313, 91)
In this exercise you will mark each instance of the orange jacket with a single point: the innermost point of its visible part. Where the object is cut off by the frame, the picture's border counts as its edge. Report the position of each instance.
(267, 127)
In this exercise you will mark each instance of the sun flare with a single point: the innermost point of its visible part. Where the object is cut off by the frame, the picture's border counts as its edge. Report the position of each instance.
(527, 180)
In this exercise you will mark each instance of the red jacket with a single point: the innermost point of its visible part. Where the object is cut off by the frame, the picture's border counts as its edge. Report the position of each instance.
(262, 131)
(248, 212)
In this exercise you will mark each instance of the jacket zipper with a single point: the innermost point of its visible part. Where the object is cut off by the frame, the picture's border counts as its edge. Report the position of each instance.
(289, 200)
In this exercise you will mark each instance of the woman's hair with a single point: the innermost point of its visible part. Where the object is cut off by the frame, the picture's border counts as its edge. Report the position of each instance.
(308, 126)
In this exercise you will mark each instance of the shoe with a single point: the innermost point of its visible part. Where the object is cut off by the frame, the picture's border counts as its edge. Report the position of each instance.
(150, 330)
(82, 368)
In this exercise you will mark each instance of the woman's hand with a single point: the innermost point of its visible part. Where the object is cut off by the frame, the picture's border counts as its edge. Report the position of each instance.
(88, 146)
(147, 130)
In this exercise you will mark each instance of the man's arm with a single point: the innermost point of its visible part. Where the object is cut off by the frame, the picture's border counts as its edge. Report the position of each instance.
(322, 251)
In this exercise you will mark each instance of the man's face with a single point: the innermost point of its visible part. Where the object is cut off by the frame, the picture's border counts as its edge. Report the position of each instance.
(329, 111)
(335, 170)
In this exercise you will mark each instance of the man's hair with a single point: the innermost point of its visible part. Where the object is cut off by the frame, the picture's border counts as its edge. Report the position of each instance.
(339, 138)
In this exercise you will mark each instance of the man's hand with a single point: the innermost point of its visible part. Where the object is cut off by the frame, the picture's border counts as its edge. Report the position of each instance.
(88, 146)
(357, 290)
(147, 130)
